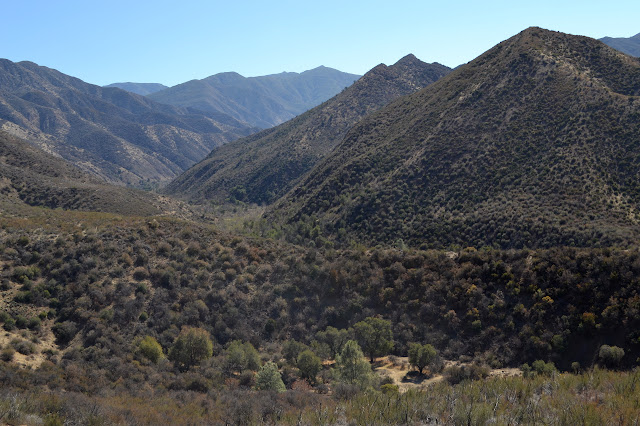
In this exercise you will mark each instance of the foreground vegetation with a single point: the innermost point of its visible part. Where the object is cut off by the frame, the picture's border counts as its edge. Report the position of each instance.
(113, 319)
(594, 397)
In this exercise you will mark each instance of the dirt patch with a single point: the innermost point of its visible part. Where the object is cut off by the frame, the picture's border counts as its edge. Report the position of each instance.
(398, 369)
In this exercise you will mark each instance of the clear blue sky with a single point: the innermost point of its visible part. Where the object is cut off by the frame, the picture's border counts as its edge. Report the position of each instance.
(170, 42)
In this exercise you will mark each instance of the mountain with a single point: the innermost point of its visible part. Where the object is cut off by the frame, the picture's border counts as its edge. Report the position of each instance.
(266, 165)
(119, 136)
(31, 176)
(264, 101)
(630, 46)
(533, 144)
(139, 88)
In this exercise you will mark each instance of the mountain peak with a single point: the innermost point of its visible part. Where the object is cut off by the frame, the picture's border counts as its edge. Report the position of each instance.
(409, 59)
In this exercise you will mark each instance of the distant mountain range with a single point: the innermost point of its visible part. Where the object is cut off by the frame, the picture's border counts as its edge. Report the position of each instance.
(630, 46)
(263, 101)
(264, 166)
(119, 136)
(139, 88)
(532, 144)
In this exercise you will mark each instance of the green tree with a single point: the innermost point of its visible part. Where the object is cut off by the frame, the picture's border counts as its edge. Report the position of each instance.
(150, 349)
(421, 356)
(309, 365)
(334, 338)
(291, 349)
(351, 367)
(610, 356)
(269, 378)
(242, 356)
(192, 346)
(374, 336)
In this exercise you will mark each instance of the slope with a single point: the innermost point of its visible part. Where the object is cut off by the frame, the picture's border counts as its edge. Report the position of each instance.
(532, 144)
(264, 101)
(139, 88)
(630, 46)
(30, 176)
(264, 166)
(119, 136)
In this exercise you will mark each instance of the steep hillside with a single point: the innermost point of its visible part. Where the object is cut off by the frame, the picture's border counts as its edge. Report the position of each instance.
(264, 101)
(630, 46)
(266, 165)
(533, 144)
(30, 176)
(139, 88)
(119, 136)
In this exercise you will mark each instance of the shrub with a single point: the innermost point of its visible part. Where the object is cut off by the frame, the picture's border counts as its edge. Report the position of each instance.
(456, 374)
(64, 331)
(351, 367)
(7, 354)
(24, 347)
(150, 349)
(610, 356)
(191, 346)
(269, 378)
(309, 365)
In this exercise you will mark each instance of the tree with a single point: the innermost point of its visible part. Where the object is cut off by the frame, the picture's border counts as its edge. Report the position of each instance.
(610, 356)
(150, 349)
(334, 338)
(351, 367)
(192, 346)
(421, 356)
(291, 349)
(374, 336)
(269, 378)
(309, 365)
(242, 356)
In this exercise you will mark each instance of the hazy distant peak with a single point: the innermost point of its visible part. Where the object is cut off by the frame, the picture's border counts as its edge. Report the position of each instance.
(138, 88)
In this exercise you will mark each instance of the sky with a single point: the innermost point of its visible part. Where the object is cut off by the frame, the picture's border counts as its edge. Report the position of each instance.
(171, 42)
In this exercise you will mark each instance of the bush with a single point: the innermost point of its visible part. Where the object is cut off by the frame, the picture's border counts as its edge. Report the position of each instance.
(610, 356)
(192, 346)
(64, 331)
(456, 374)
(351, 367)
(538, 367)
(269, 378)
(309, 365)
(421, 356)
(24, 347)
(150, 349)
(7, 354)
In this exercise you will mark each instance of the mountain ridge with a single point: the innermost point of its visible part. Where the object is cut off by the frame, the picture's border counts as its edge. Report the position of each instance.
(119, 136)
(139, 88)
(462, 162)
(264, 166)
(630, 45)
(262, 101)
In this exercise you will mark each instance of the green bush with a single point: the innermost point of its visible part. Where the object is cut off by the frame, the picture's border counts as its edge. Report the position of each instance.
(192, 346)
(269, 378)
(150, 349)
(610, 356)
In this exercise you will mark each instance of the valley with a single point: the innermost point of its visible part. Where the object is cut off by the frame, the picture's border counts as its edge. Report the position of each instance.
(418, 245)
